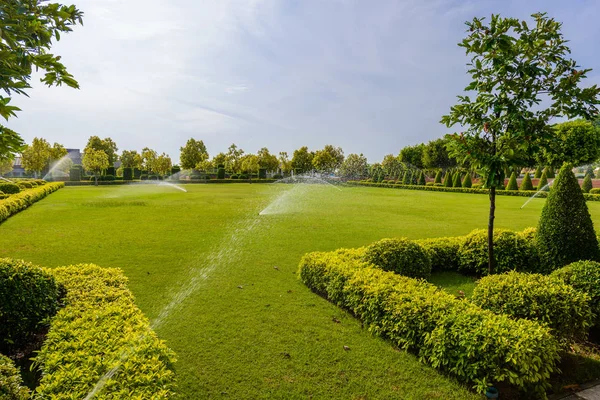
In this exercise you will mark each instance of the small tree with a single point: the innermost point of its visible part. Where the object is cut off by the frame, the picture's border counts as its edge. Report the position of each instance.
(456, 182)
(438, 177)
(467, 182)
(514, 69)
(163, 164)
(95, 161)
(250, 164)
(512, 182)
(586, 186)
(192, 153)
(565, 231)
(538, 172)
(526, 184)
(448, 179)
(36, 156)
(543, 183)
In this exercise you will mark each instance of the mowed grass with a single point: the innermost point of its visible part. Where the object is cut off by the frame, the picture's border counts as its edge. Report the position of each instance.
(245, 329)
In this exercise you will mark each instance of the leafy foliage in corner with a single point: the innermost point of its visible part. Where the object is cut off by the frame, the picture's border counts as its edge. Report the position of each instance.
(452, 335)
(584, 276)
(101, 328)
(28, 298)
(526, 184)
(539, 298)
(512, 250)
(565, 232)
(576, 142)
(20, 201)
(400, 255)
(11, 383)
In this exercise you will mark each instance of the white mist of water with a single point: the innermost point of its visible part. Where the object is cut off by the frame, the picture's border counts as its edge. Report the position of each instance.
(544, 189)
(61, 166)
(7, 180)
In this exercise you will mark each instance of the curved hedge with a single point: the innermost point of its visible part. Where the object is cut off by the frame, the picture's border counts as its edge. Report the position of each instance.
(11, 383)
(453, 335)
(539, 298)
(20, 201)
(9, 188)
(443, 252)
(29, 296)
(101, 328)
(401, 256)
(584, 276)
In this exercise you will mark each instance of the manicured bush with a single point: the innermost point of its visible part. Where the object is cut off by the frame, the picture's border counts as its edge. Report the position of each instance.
(400, 255)
(550, 172)
(526, 183)
(28, 298)
(11, 383)
(17, 202)
(40, 182)
(406, 178)
(110, 171)
(75, 174)
(221, 173)
(538, 172)
(100, 328)
(565, 232)
(262, 173)
(539, 298)
(24, 185)
(452, 335)
(243, 176)
(543, 183)
(127, 174)
(586, 186)
(512, 182)
(584, 276)
(456, 181)
(467, 182)
(448, 179)
(438, 177)
(276, 176)
(137, 173)
(106, 178)
(234, 176)
(443, 252)
(9, 188)
(144, 177)
(422, 180)
(175, 169)
(511, 251)
(595, 191)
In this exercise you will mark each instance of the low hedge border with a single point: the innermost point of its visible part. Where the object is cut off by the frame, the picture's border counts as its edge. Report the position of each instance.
(453, 335)
(182, 182)
(20, 201)
(101, 328)
(519, 193)
(11, 383)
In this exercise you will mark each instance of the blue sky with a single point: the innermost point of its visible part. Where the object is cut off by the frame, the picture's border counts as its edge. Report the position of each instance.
(369, 76)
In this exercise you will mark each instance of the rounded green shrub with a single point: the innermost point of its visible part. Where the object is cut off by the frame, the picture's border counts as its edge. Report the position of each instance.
(584, 276)
(28, 298)
(544, 182)
(511, 252)
(406, 178)
(456, 181)
(448, 179)
(9, 188)
(539, 298)
(595, 191)
(243, 176)
(565, 232)
(11, 383)
(538, 172)
(512, 182)
(586, 186)
(438, 177)
(401, 256)
(526, 183)
(467, 182)
(422, 180)
(25, 185)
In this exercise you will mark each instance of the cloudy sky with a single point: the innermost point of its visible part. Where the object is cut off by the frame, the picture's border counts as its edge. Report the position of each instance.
(369, 76)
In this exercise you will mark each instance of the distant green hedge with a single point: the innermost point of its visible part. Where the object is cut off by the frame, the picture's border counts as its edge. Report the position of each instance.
(452, 335)
(101, 328)
(20, 201)
(11, 383)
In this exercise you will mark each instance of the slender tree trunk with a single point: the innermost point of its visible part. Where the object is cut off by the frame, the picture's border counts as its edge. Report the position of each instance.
(96, 178)
(491, 259)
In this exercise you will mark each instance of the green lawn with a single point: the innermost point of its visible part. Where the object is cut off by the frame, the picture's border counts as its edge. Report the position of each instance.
(243, 329)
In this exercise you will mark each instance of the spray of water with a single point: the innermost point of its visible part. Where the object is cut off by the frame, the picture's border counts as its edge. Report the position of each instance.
(7, 180)
(60, 168)
(544, 189)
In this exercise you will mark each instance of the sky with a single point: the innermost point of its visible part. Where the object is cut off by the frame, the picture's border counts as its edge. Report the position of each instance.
(368, 76)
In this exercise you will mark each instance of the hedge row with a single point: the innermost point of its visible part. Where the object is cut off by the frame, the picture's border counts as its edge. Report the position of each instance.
(11, 383)
(99, 329)
(519, 193)
(452, 335)
(17, 202)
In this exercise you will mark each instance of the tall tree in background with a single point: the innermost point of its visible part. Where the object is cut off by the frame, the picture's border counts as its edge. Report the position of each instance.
(435, 155)
(392, 166)
(219, 159)
(95, 161)
(285, 164)
(27, 30)
(267, 160)
(302, 159)
(131, 159)
(233, 158)
(412, 155)
(107, 145)
(514, 68)
(250, 164)
(36, 156)
(149, 158)
(193, 153)
(354, 167)
(163, 164)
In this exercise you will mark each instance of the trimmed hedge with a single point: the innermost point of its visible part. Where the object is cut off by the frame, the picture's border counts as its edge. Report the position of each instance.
(127, 174)
(584, 276)
(511, 250)
(401, 256)
(101, 328)
(11, 383)
(453, 335)
(443, 252)
(539, 298)
(17, 202)
(28, 298)
(9, 188)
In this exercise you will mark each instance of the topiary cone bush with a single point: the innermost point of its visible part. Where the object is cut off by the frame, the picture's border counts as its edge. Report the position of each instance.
(544, 182)
(448, 179)
(456, 181)
(512, 182)
(401, 256)
(550, 173)
(422, 180)
(467, 182)
(586, 186)
(526, 184)
(406, 178)
(565, 232)
(438, 177)
(538, 172)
